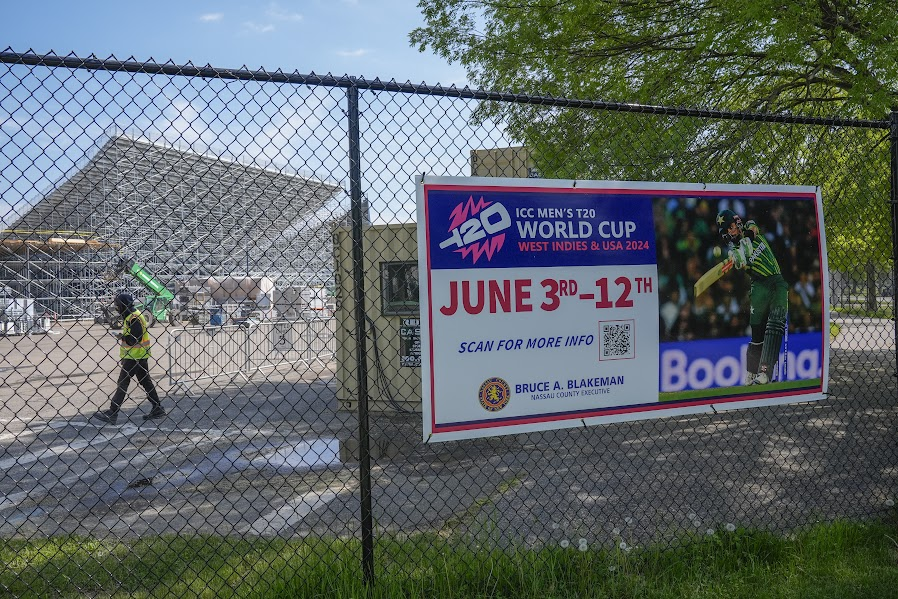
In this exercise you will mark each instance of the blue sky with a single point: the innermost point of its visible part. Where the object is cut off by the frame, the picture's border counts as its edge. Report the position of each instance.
(53, 120)
(354, 37)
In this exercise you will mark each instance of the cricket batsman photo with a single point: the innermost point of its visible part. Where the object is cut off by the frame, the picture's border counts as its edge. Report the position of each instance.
(749, 251)
(731, 318)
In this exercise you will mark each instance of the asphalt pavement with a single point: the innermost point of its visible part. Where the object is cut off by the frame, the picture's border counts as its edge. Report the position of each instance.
(271, 455)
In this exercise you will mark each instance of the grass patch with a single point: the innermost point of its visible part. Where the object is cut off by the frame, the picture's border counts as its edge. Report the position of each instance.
(730, 392)
(830, 560)
(861, 312)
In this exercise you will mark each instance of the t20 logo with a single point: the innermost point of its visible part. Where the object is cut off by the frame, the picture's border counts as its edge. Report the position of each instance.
(475, 228)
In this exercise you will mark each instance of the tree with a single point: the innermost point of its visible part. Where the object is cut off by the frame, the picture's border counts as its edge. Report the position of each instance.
(802, 57)
(811, 57)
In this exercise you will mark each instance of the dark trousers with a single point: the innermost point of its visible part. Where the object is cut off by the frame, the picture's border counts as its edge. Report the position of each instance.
(131, 369)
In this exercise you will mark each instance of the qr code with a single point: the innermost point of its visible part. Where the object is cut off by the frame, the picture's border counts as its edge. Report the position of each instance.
(616, 340)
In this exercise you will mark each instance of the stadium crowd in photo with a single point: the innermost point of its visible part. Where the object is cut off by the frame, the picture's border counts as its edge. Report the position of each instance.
(687, 236)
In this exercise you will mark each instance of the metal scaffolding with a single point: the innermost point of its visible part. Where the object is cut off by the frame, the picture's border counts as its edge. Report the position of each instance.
(184, 215)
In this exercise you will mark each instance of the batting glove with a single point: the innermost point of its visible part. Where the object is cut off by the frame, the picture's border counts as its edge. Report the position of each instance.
(737, 255)
(746, 247)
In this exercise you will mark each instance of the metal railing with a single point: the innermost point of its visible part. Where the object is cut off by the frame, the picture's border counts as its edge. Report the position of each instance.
(205, 353)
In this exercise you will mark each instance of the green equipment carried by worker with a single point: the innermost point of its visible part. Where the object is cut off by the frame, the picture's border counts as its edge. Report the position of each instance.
(157, 302)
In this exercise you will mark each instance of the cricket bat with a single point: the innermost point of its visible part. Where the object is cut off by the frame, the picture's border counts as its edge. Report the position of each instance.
(712, 276)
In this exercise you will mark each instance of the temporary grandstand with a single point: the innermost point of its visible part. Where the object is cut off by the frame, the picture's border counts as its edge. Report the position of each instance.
(185, 216)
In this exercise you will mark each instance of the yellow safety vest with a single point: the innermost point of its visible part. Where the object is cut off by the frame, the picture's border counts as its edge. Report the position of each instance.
(142, 349)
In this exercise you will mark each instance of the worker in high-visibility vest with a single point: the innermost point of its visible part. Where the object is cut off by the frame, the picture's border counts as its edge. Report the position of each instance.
(134, 354)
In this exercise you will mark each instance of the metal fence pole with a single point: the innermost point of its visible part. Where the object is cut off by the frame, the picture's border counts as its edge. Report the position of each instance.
(893, 201)
(358, 274)
(246, 360)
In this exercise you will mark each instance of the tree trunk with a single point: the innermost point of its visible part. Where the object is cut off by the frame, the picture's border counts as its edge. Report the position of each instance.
(872, 301)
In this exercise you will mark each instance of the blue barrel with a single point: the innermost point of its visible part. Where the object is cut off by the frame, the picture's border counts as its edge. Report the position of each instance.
(217, 318)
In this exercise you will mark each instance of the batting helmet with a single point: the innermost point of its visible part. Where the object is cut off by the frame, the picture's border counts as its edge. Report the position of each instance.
(725, 218)
(124, 302)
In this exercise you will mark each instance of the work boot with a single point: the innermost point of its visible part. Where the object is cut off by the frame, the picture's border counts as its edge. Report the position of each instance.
(107, 416)
(157, 412)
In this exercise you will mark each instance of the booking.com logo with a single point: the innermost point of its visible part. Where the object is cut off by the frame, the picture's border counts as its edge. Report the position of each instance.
(475, 228)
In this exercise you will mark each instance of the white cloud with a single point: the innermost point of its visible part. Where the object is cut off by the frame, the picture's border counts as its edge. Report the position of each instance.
(211, 17)
(276, 12)
(353, 53)
(294, 135)
(183, 124)
(258, 27)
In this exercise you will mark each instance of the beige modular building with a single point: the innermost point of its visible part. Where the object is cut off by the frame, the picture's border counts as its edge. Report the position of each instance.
(392, 318)
(516, 161)
(391, 299)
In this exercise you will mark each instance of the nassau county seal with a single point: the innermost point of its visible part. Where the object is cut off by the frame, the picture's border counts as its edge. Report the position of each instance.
(494, 394)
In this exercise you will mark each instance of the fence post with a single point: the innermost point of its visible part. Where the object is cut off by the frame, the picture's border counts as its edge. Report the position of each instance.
(247, 363)
(893, 201)
(358, 274)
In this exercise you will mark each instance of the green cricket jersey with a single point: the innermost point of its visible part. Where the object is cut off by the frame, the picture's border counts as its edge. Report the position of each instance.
(761, 261)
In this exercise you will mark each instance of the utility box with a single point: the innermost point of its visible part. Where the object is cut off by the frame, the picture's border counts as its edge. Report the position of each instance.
(288, 302)
(392, 330)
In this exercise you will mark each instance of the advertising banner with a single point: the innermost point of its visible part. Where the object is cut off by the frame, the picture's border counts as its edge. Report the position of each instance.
(550, 304)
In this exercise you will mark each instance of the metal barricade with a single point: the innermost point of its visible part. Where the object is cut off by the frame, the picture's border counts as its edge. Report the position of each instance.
(207, 353)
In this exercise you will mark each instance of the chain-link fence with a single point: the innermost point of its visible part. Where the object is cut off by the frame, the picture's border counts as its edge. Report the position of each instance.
(263, 223)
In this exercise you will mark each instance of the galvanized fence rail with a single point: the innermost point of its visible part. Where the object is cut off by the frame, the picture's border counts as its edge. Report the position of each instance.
(197, 354)
(293, 195)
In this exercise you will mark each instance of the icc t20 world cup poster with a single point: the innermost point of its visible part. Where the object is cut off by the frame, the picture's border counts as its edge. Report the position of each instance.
(553, 304)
